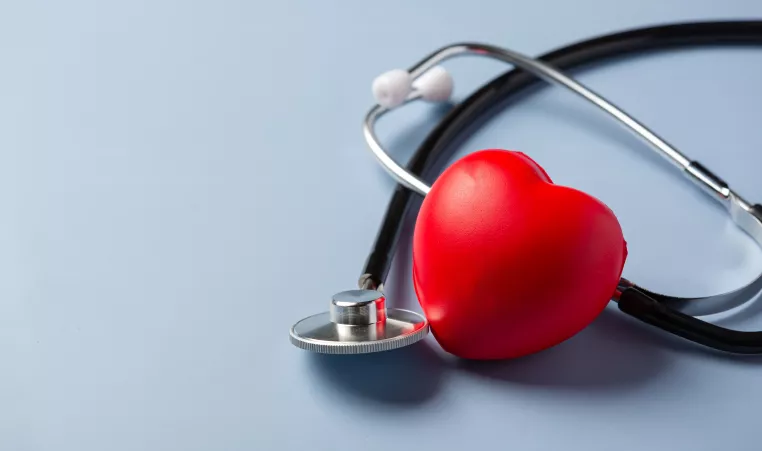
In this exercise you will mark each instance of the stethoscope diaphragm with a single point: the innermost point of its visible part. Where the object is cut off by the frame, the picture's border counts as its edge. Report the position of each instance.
(358, 322)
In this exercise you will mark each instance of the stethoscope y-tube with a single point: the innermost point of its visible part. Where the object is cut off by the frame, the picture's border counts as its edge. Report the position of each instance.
(666, 312)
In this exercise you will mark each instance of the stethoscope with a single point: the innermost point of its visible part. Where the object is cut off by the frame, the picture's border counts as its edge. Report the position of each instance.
(359, 321)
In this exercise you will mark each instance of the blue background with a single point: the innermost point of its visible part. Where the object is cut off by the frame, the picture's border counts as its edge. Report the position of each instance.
(180, 181)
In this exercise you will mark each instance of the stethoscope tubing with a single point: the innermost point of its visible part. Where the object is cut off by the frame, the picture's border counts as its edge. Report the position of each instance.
(649, 307)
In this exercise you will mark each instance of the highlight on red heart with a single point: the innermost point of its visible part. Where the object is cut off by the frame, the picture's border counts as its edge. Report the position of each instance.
(506, 263)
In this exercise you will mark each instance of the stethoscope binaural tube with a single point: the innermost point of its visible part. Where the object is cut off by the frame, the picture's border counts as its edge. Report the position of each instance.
(659, 310)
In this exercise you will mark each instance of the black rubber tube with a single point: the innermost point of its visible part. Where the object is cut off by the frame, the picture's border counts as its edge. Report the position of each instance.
(639, 305)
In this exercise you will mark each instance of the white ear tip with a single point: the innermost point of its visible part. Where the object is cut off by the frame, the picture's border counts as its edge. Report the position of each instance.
(390, 89)
(435, 85)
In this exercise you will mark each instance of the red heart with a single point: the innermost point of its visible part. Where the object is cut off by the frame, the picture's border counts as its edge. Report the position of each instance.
(505, 263)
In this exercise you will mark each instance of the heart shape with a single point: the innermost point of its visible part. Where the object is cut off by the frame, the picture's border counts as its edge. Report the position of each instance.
(506, 263)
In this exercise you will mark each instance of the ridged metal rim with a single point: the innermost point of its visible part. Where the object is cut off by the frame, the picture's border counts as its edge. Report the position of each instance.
(366, 347)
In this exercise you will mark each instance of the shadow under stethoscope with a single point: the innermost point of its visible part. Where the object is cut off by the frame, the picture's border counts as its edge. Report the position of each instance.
(404, 377)
(606, 356)
(614, 354)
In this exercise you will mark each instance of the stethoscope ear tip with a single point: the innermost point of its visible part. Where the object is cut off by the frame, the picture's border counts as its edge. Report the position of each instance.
(358, 322)
(393, 87)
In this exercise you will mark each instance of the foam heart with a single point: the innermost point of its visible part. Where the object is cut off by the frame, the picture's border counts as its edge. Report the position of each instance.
(506, 263)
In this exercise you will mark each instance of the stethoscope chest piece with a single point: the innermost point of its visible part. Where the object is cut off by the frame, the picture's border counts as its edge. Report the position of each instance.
(358, 322)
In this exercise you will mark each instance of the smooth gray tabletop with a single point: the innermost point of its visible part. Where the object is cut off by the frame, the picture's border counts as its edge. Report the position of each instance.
(181, 181)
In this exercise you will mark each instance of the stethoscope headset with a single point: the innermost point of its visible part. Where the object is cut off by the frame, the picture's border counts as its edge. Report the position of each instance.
(358, 321)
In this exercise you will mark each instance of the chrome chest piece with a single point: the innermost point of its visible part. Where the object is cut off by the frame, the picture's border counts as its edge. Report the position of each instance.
(358, 322)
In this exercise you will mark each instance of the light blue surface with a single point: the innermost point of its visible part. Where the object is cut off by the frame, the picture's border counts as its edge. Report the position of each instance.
(181, 181)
